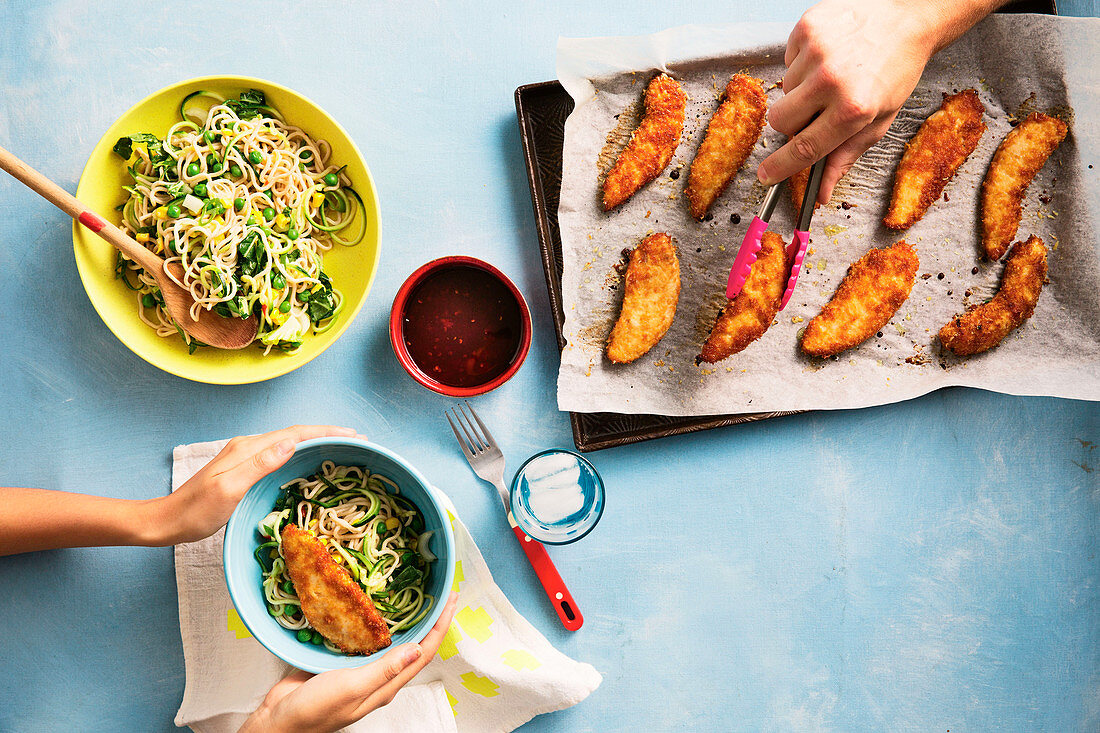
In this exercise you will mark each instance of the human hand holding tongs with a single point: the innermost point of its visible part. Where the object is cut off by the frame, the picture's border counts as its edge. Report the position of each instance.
(796, 250)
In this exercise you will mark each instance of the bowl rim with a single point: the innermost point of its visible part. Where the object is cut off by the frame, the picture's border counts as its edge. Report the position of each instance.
(512, 495)
(279, 369)
(348, 661)
(397, 312)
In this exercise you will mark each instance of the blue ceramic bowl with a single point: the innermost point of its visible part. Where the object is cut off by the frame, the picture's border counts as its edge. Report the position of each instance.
(243, 574)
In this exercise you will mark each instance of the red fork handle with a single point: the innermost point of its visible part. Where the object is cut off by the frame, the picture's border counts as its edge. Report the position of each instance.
(552, 583)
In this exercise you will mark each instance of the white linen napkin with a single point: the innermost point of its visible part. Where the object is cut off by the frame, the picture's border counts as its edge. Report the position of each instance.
(494, 670)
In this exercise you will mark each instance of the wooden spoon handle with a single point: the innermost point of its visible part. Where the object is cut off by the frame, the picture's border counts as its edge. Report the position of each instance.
(68, 203)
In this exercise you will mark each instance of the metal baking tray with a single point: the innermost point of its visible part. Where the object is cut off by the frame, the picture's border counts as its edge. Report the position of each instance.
(542, 109)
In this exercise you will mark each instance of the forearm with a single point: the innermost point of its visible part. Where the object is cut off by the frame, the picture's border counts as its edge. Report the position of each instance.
(36, 519)
(942, 22)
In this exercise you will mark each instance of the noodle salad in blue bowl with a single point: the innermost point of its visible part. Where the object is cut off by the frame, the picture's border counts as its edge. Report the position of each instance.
(377, 518)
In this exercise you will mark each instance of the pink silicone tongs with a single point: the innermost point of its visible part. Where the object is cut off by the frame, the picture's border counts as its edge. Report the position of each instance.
(796, 250)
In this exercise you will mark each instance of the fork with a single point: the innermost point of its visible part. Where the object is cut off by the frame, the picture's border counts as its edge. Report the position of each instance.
(485, 457)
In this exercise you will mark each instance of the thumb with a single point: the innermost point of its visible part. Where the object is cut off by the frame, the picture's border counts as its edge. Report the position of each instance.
(362, 682)
(373, 676)
(260, 464)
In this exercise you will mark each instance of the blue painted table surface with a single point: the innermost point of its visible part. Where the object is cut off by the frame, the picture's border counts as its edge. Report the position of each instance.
(928, 566)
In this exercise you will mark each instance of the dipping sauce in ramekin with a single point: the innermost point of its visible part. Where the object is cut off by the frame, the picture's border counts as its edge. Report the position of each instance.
(460, 327)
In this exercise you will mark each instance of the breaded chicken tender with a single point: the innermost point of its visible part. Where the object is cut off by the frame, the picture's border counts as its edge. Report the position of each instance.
(983, 327)
(868, 297)
(649, 299)
(748, 316)
(1020, 156)
(731, 136)
(332, 602)
(651, 145)
(941, 145)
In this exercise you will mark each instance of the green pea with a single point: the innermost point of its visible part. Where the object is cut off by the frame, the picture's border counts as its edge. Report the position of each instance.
(269, 214)
(212, 162)
(238, 203)
(380, 527)
(284, 307)
(317, 638)
(148, 300)
(331, 179)
(304, 296)
(304, 635)
(291, 234)
(193, 169)
(305, 154)
(252, 220)
(174, 211)
(210, 136)
(256, 157)
(278, 281)
(235, 171)
(200, 190)
(173, 247)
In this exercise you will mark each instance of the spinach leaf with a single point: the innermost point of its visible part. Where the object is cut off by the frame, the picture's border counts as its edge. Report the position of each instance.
(250, 104)
(251, 255)
(322, 304)
(124, 148)
(405, 577)
(237, 307)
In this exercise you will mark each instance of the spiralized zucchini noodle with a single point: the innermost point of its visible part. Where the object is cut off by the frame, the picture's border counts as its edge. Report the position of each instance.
(246, 204)
(368, 528)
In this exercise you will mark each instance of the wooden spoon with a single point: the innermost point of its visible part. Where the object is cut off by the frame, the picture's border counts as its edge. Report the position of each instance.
(210, 328)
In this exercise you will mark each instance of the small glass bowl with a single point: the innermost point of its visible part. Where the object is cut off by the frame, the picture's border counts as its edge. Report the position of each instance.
(557, 497)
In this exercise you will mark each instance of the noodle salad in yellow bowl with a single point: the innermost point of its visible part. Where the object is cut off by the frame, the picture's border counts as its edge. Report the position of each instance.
(263, 200)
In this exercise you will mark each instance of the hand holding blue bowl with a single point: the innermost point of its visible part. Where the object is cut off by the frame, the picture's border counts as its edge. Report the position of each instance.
(244, 576)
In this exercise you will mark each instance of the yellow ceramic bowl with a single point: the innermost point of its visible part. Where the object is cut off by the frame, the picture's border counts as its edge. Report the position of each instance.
(352, 269)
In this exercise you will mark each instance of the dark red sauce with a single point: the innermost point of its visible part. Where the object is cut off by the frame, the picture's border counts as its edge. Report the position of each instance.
(462, 326)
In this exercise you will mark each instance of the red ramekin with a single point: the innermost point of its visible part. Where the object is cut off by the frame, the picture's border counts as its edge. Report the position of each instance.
(397, 327)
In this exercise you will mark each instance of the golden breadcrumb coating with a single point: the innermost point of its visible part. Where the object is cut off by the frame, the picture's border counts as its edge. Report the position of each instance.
(797, 184)
(652, 145)
(332, 602)
(731, 136)
(1020, 156)
(868, 297)
(748, 316)
(649, 299)
(941, 145)
(984, 327)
